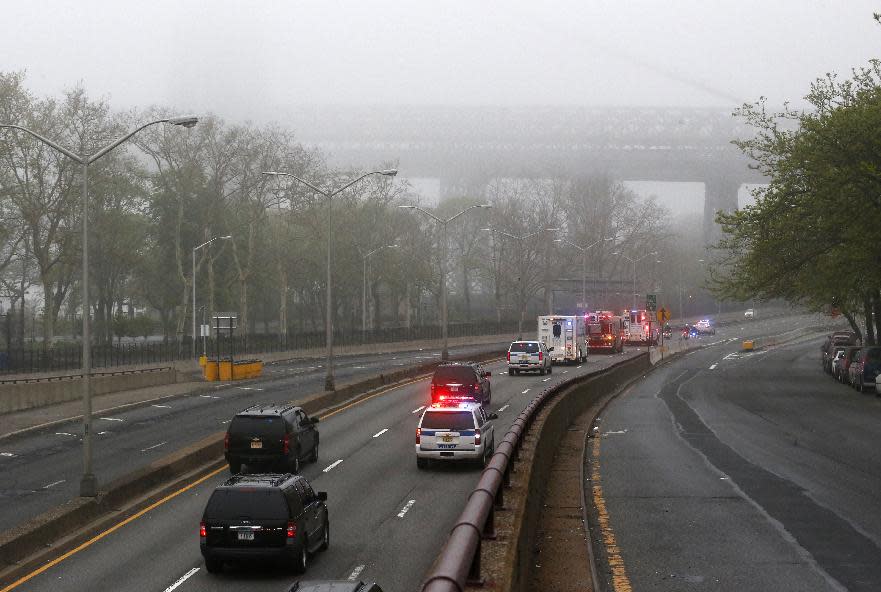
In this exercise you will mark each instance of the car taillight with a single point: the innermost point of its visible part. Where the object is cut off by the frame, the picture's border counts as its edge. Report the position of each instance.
(477, 436)
(226, 441)
(202, 531)
(646, 328)
(541, 356)
(509, 356)
(418, 435)
(292, 530)
(286, 444)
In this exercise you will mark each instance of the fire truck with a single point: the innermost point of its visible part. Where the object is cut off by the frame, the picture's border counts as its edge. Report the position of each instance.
(567, 336)
(605, 332)
(644, 328)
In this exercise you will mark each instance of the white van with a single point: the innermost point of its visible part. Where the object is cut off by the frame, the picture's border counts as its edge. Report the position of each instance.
(567, 335)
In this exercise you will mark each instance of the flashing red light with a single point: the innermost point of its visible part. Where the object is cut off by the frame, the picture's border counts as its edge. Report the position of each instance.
(292, 530)
(418, 435)
(646, 328)
(477, 436)
(286, 444)
(226, 441)
(203, 532)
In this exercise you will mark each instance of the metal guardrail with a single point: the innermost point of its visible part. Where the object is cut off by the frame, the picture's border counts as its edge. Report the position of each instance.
(75, 376)
(458, 564)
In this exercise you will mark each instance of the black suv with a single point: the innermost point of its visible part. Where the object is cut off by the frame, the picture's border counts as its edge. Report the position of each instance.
(461, 381)
(268, 516)
(274, 435)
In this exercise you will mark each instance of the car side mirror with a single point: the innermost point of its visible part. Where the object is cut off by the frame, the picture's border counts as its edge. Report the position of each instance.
(487, 374)
(314, 420)
(322, 496)
(492, 416)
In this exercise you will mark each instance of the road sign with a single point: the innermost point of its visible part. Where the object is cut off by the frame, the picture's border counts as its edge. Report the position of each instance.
(651, 302)
(663, 315)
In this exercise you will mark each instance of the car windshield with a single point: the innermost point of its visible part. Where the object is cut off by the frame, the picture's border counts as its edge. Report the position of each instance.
(247, 503)
(526, 347)
(448, 420)
(454, 375)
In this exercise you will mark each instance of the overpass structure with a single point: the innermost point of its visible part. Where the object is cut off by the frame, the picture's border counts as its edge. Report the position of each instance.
(465, 147)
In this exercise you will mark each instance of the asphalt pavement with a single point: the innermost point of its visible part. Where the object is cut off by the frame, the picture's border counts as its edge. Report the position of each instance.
(729, 470)
(41, 469)
(388, 519)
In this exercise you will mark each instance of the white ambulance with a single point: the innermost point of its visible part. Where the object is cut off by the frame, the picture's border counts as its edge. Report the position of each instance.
(564, 336)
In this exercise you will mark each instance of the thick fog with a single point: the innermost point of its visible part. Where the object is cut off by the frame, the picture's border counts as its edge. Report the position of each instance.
(258, 60)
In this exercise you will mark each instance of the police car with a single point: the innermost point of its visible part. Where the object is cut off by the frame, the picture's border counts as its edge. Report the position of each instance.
(462, 431)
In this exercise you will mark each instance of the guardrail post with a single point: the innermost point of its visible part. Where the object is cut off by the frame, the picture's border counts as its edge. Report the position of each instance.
(474, 578)
(489, 527)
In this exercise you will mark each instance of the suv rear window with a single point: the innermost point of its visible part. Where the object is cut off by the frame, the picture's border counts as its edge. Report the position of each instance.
(448, 420)
(257, 426)
(523, 346)
(254, 503)
(454, 375)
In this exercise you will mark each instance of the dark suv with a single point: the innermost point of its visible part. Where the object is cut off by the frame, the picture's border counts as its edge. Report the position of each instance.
(333, 586)
(461, 381)
(269, 516)
(271, 435)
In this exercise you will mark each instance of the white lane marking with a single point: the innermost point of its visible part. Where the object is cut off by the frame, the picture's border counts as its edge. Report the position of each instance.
(359, 367)
(380, 432)
(406, 508)
(110, 418)
(418, 409)
(162, 406)
(565, 371)
(209, 397)
(64, 434)
(399, 363)
(713, 367)
(577, 367)
(54, 484)
(245, 388)
(545, 379)
(182, 579)
(731, 356)
(524, 392)
(102, 433)
(7, 454)
(225, 421)
(503, 407)
(152, 447)
(356, 572)
(332, 465)
(616, 432)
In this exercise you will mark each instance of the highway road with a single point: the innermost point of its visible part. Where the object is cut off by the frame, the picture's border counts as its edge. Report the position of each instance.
(733, 471)
(388, 519)
(41, 469)
(376, 532)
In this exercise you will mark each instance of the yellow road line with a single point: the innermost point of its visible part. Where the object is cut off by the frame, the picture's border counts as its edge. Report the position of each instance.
(113, 528)
(620, 581)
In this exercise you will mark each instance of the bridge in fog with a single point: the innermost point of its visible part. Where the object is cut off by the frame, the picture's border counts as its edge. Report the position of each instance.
(464, 147)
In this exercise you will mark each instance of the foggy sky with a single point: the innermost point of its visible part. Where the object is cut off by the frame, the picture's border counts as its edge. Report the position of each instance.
(259, 59)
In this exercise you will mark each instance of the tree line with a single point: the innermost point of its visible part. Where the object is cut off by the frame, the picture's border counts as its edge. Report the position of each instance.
(153, 200)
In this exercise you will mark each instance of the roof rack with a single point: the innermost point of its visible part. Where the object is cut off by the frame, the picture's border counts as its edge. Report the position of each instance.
(267, 479)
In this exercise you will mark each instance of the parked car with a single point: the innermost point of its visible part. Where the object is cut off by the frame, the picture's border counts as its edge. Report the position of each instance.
(277, 436)
(461, 381)
(529, 356)
(461, 432)
(333, 586)
(844, 363)
(839, 341)
(865, 368)
(270, 516)
(836, 358)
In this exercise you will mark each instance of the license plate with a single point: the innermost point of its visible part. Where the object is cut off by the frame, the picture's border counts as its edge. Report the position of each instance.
(256, 444)
(246, 535)
(446, 445)
(447, 438)
(524, 358)
(454, 388)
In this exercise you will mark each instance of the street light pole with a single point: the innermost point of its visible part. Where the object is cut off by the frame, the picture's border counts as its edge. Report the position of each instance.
(634, 262)
(364, 293)
(520, 239)
(329, 383)
(205, 244)
(443, 266)
(88, 481)
(584, 251)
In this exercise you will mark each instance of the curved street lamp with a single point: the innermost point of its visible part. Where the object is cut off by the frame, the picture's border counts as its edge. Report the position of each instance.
(88, 482)
(329, 384)
(445, 354)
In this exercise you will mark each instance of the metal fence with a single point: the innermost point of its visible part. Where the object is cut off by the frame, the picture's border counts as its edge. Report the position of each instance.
(33, 358)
